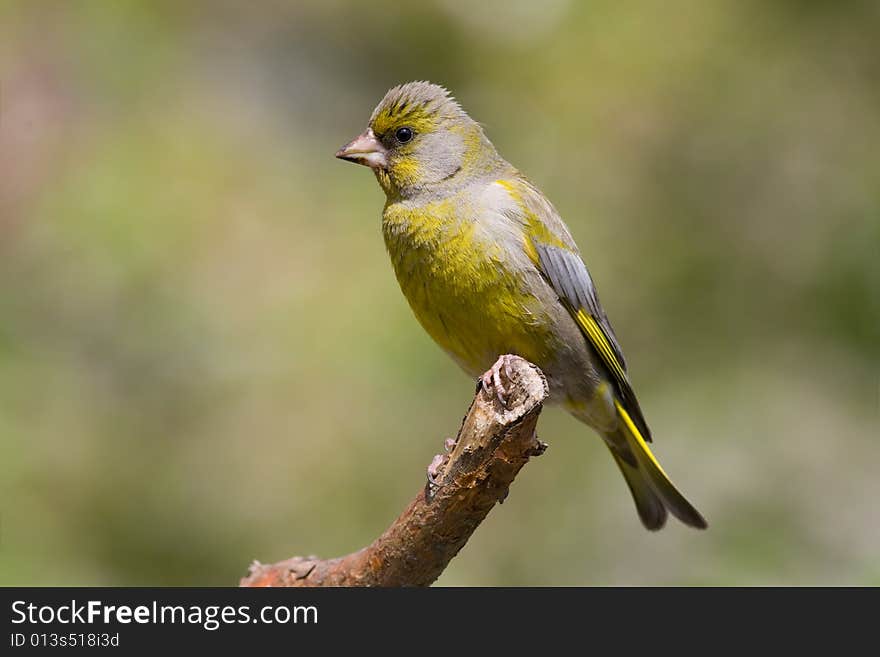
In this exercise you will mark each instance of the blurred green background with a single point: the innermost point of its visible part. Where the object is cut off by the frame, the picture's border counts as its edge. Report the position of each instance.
(188, 279)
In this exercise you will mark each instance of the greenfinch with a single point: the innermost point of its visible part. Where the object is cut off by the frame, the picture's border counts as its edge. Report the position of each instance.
(490, 269)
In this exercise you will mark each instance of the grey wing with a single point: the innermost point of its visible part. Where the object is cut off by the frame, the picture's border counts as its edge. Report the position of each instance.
(570, 279)
(556, 256)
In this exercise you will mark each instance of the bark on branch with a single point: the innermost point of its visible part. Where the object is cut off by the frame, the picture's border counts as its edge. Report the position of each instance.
(493, 444)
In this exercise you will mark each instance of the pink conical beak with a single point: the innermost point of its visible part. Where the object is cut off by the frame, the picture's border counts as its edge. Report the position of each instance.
(365, 149)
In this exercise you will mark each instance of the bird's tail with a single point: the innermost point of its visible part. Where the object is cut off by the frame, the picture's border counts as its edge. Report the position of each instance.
(651, 487)
(650, 508)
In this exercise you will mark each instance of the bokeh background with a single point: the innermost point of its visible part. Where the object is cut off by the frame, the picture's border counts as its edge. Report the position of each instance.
(205, 358)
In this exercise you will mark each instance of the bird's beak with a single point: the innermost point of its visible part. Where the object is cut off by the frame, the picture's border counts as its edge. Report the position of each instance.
(365, 149)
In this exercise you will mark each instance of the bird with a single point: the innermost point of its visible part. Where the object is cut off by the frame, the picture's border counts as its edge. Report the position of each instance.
(490, 271)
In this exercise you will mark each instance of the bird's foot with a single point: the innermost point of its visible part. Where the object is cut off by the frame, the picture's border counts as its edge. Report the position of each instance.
(438, 462)
(434, 468)
(491, 379)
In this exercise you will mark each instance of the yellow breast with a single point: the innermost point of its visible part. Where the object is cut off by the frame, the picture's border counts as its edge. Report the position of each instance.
(466, 281)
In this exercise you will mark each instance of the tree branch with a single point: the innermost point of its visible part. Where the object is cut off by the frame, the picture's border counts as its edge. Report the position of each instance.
(493, 444)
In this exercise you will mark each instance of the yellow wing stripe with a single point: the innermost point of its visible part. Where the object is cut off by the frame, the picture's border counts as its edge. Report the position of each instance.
(597, 337)
(638, 436)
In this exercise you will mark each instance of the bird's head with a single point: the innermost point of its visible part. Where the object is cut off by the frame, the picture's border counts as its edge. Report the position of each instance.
(420, 139)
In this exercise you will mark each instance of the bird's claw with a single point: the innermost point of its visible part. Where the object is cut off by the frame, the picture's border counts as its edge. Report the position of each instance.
(437, 463)
(491, 379)
(434, 469)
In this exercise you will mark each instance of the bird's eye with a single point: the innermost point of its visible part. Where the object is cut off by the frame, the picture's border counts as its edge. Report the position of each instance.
(403, 135)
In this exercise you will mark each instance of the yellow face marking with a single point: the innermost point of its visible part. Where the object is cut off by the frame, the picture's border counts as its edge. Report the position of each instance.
(417, 118)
